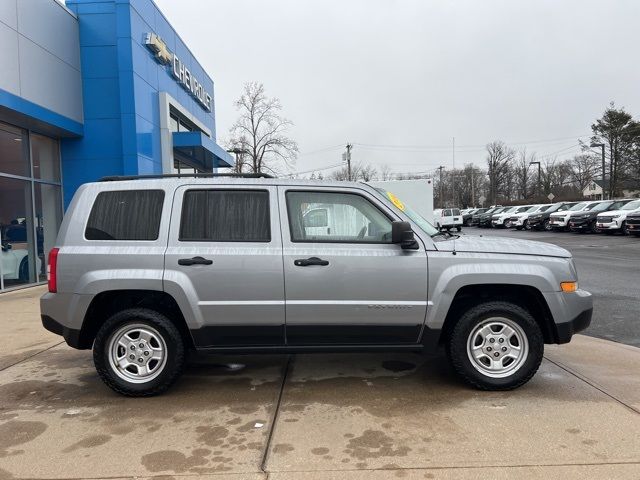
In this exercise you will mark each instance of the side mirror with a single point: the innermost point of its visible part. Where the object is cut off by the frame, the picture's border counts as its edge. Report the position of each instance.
(402, 234)
(6, 247)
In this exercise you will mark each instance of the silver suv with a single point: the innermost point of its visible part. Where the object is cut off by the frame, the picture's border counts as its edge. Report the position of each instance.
(147, 269)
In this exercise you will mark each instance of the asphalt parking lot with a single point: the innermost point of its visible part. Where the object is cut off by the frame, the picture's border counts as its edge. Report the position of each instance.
(608, 267)
(348, 416)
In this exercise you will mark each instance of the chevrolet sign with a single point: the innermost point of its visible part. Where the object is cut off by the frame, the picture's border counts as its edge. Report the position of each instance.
(178, 70)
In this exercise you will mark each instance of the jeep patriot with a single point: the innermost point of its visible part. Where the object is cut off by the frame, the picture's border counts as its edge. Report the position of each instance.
(147, 269)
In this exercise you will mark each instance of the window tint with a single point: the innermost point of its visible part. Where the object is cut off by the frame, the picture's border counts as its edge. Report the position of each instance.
(447, 213)
(455, 211)
(225, 216)
(126, 215)
(350, 218)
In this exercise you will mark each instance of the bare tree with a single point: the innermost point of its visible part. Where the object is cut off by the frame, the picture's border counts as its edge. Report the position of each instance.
(261, 133)
(385, 172)
(499, 159)
(583, 168)
(521, 172)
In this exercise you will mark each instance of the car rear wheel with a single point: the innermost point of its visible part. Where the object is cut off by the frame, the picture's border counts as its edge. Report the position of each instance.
(139, 352)
(546, 225)
(496, 346)
(459, 229)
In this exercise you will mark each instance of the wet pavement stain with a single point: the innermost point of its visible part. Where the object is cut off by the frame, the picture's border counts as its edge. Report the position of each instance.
(283, 448)
(172, 460)
(17, 432)
(88, 442)
(320, 451)
(374, 444)
(398, 366)
(212, 436)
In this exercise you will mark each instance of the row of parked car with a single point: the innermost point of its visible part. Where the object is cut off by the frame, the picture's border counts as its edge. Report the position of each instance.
(608, 216)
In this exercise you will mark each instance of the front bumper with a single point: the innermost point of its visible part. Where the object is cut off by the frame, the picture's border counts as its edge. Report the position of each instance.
(578, 225)
(557, 222)
(571, 312)
(608, 225)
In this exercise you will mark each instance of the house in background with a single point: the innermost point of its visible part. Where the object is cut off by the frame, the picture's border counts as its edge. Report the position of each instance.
(593, 191)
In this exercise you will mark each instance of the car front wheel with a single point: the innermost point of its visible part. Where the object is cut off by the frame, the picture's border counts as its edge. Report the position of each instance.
(496, 346)
(139, 352)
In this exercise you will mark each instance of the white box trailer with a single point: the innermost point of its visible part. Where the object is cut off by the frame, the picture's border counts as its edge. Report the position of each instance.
(418, 194)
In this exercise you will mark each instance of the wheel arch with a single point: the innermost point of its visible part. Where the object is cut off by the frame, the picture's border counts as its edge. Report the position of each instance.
(525, 296)
(107, 303)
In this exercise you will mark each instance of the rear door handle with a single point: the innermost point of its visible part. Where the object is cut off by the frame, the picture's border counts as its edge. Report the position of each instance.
(305, 262)
(194, 261)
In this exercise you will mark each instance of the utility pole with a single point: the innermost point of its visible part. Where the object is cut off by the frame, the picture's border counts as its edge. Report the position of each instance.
(441, 199)
(346, 157)
(601, 145)
(453, 179)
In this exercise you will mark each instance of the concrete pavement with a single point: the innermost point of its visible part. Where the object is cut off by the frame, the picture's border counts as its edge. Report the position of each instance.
(373, 416)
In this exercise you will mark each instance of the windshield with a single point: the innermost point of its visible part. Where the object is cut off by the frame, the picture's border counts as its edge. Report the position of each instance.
(525, 209)
(544, 208)
(598, 207)
(632, 205)
(415, 217)
(578, 206)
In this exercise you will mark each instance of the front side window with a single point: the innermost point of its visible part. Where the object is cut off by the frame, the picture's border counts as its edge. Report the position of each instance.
(126, 215)
(225, 216)
(336, 217)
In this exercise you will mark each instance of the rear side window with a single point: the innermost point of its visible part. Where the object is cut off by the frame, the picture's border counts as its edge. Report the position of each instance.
(225, 216)
(126, 215)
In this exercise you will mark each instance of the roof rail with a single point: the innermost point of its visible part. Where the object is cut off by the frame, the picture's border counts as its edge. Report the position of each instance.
(117, 178)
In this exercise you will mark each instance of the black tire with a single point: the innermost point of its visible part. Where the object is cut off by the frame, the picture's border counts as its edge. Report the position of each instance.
(23, 270)
(546, 226)
(467, 222)
(175, 352)
(459, 229)
(593, 227)
(623, 228)
(456, 345)
(525, 225)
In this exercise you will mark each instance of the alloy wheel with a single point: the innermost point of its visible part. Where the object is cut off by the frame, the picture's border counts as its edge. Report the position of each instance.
(497, 347)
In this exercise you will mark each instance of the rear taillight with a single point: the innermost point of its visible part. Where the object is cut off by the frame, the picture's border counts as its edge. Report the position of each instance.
(52, 270)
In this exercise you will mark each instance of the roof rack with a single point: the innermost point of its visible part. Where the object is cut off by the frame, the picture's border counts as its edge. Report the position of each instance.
(117, 178)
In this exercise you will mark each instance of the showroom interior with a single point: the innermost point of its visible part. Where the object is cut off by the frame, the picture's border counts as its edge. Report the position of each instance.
(90, 88)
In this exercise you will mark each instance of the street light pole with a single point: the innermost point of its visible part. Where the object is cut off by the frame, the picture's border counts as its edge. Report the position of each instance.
(601, 145)
(538, 163)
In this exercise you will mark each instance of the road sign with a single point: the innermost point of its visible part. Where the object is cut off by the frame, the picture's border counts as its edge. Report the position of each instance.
(551, 196)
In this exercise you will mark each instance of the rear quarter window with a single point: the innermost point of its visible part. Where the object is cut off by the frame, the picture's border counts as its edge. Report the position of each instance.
(125, 215)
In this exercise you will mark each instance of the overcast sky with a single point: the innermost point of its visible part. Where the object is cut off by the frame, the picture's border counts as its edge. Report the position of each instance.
(401, 78)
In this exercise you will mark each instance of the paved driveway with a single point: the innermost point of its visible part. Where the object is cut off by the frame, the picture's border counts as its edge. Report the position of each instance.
(373, 416)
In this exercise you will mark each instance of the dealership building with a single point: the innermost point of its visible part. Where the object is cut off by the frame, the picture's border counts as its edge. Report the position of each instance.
(90, 88)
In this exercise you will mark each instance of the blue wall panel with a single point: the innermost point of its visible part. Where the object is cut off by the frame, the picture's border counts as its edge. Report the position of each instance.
(122, 81)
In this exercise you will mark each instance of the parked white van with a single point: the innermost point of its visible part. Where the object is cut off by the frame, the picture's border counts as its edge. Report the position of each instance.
(448, 218)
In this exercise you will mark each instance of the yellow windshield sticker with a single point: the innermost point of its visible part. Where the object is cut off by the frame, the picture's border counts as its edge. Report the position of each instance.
(396, 201)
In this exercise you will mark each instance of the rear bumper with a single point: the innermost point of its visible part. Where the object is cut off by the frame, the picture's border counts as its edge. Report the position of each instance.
(71, 335)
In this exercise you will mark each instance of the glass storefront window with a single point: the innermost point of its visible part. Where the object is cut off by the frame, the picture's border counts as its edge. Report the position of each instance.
(14, 151)
(17, 255)
(45, 157)
(48, 209)
(30, 204)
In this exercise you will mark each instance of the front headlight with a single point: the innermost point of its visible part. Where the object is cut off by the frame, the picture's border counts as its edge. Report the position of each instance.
(616, 216)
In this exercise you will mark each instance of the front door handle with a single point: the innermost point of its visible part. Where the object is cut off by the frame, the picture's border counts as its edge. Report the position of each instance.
(194, 261)
(305, 262)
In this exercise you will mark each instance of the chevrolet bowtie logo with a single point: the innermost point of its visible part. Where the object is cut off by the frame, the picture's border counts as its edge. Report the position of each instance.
(157, 46)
